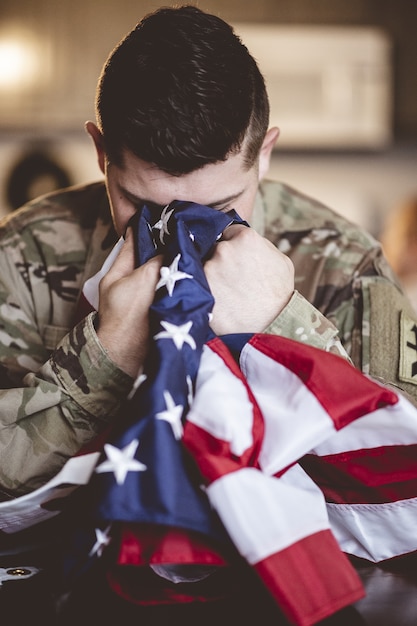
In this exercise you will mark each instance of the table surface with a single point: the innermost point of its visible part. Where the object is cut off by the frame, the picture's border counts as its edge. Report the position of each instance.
(391, 597)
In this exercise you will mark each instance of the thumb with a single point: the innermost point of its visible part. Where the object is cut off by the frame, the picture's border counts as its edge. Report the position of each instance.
(124, 263)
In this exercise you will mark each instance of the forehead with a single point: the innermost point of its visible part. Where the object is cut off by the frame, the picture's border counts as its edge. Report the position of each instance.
(212, 184)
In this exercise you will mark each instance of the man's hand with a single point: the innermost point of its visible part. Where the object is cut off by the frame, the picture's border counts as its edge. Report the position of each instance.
(126, 295)
(250, 279)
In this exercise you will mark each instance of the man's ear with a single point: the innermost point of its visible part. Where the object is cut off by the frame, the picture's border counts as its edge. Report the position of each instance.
(97, 138)
(268, 144)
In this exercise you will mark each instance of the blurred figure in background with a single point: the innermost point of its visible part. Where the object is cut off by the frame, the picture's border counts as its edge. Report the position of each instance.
(399, 241)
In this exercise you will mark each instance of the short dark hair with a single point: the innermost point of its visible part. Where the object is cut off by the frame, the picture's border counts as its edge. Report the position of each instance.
(181, 91)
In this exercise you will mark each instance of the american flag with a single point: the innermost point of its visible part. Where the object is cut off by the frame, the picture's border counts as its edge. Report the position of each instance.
(254, 445)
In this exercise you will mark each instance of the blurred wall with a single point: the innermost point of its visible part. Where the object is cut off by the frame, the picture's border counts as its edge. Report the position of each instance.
(74, 38)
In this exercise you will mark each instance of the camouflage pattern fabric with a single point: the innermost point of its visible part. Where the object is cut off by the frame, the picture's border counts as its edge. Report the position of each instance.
(340, 269)
(59, 389)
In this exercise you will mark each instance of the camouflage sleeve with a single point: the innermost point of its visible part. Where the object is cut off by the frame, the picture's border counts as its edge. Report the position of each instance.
(301, 321)
(371, 323)
(58, 388)
(341, 271)
(58, 408)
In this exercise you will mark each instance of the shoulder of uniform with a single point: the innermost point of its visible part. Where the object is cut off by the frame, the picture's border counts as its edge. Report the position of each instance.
(289, 210)
(79, 203)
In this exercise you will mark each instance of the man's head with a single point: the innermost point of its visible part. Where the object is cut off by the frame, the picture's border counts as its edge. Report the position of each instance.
(181, 91)
(182, 114)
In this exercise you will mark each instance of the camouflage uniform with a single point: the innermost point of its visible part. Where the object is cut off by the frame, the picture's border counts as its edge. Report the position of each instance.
(58, 386)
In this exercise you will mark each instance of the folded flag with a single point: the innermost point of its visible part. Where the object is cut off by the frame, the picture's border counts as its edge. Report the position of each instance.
(274, 427)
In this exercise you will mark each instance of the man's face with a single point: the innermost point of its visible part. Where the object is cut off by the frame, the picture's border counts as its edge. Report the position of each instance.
(225, 185)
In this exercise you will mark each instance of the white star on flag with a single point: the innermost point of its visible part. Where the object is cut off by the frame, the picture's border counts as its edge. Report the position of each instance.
(121, 461)
(178, 334)
(102, 540)
(172, 415)
(162, 223)
(170, 275)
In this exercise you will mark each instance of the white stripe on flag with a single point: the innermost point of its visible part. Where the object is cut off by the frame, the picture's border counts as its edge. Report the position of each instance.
(375, 531)
(392, 425)
(90, 289)
(221, 405)
(27, 510)
(265, 515)
(295, 421)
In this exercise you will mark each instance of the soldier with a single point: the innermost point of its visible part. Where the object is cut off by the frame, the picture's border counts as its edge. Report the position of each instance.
(182, 113)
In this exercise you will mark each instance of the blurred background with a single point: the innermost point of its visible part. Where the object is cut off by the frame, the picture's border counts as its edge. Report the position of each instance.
(341, 76)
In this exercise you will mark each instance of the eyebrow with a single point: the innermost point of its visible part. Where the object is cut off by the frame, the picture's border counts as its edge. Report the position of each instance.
(138, 200)
(226, 200)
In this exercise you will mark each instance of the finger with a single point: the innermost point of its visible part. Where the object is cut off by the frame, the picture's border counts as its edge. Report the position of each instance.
(232, 231)
(154, 264)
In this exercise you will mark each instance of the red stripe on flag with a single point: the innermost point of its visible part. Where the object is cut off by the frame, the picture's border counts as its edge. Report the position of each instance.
(344, 392)
(311, 579)
(213, 455)
(141, 544)
(377, 475)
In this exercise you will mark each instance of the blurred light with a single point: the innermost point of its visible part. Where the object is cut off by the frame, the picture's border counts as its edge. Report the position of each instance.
(18, 63)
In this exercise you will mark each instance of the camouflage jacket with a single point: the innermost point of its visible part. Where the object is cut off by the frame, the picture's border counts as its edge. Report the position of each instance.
(58, 388)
